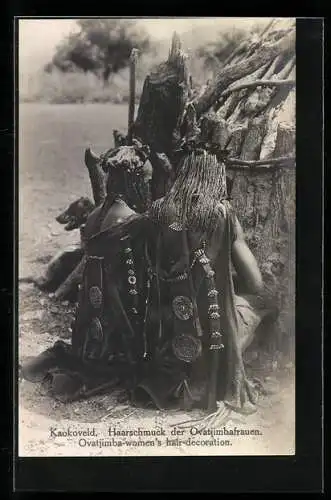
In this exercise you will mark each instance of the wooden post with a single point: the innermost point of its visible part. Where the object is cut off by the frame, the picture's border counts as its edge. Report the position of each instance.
(97, 176)
(132, 99)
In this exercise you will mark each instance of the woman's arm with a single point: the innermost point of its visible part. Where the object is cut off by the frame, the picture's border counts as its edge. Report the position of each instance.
(245, 263)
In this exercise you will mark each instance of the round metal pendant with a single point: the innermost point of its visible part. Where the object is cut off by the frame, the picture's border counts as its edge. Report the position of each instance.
(186, 348)
(182, 307)
(95, 295)
(95, 330)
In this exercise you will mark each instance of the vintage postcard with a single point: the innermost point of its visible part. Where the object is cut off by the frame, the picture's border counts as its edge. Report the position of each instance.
(157, 181)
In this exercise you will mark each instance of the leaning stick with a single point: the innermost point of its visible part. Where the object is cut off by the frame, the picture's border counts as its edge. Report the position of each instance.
(95, 390)
(229, 74)
(267, 162)
(259, 83)
(133, 62)
(74, 279)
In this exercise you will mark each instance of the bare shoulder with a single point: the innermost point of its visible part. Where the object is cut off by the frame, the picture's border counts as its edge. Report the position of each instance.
(227, 211)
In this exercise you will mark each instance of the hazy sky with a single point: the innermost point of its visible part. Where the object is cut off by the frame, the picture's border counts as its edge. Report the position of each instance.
(38, 37)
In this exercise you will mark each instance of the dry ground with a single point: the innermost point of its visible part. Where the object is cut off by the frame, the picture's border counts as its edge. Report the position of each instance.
(51, 174)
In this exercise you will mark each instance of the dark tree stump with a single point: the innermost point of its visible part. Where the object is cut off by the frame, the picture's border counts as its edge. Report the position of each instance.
(160, 112)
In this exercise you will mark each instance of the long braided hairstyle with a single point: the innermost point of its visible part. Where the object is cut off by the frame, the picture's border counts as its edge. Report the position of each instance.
(198, 198)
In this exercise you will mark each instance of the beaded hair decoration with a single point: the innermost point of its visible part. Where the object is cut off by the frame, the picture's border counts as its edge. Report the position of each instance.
(132, 286)
(216, 336)
(195, 200)
(188, 347)
(198, 202)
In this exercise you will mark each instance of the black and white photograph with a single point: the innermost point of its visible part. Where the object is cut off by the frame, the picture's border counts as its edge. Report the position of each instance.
(156, 236)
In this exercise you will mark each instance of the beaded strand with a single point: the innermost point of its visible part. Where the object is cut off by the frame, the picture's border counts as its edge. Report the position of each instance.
(131, 276)
(213, 306)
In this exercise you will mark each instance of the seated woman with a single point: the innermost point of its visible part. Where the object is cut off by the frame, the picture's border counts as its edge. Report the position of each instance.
(196, 328)
(112, 293)
(105, 339)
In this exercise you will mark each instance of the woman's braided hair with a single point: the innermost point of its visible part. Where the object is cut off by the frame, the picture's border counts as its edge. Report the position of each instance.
(198, 197)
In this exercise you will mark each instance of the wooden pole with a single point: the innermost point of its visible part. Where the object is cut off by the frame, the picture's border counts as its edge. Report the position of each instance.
(281, 161)
(132, 100)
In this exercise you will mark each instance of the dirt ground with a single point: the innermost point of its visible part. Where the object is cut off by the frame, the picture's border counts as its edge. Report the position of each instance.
(51, 174)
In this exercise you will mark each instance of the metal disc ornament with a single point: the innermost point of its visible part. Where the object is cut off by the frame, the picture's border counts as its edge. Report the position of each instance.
(186, 348)
(95, 295)
(182, 307)
(95, 330)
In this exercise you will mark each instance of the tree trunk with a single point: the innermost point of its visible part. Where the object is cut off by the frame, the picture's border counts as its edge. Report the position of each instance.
(160, 112)
(106, 74)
